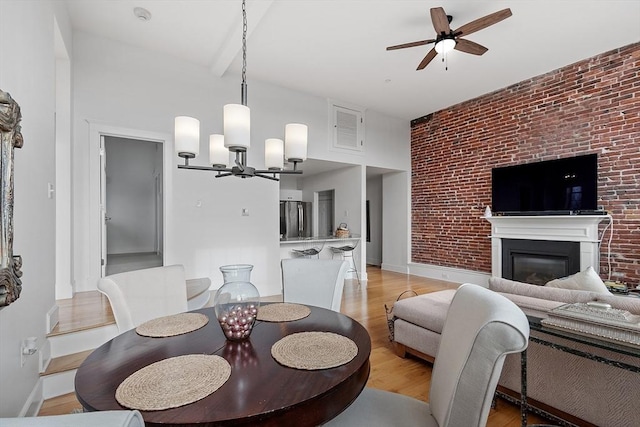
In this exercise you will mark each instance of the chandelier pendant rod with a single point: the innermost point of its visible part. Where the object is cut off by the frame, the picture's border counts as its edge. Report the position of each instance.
(243, 85)
(241, 169)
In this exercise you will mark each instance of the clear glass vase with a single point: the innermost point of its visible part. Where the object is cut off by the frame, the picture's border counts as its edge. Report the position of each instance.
(236, 273)
(236, 302)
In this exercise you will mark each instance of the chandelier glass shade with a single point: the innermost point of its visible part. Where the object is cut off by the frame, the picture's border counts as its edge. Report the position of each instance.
(187, 136)
(445, 45)
(237, 137)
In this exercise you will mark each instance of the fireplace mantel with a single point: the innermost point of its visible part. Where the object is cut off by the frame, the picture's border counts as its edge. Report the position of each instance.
(571, 228)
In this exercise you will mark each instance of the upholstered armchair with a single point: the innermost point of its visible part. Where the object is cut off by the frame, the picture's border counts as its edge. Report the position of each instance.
(481, 328)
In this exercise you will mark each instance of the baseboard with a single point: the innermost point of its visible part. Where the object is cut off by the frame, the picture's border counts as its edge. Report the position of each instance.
(374, 261)
(395, 268)
(455, 275)
(34, 402)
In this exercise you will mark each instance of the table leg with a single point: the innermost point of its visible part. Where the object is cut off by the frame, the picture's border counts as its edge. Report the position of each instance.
(523, 388)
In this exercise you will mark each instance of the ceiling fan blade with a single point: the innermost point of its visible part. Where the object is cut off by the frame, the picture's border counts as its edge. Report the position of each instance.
(432, 54)
(483, 22)
(440, 20)
(412, 44)
(470, 47)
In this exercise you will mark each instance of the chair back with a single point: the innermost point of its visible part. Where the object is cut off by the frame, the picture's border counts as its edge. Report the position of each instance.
(116, 418)
(141, 295)
(481, 328)
(316, 282)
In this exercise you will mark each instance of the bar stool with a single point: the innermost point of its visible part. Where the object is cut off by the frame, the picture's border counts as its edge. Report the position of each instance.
(309, 252)
(346, 253)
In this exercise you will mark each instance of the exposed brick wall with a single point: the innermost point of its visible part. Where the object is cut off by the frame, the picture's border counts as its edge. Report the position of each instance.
(589, 107)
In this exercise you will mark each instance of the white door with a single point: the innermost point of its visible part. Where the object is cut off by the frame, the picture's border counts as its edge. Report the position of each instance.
(103, 207)
(131, 204)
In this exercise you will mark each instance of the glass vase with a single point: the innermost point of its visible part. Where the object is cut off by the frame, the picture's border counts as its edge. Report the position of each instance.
(236, 273)
(236, 302)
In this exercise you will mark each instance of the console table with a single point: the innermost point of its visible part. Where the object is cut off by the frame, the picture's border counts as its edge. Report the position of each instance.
(547, 339)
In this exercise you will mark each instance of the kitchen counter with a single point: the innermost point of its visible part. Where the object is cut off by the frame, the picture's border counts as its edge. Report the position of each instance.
(317, 239)
(323, 243)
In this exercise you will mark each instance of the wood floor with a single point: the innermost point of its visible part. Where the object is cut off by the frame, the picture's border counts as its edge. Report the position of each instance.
(365, 304)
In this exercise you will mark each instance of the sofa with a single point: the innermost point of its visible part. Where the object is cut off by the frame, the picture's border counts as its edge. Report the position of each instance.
(582, 391)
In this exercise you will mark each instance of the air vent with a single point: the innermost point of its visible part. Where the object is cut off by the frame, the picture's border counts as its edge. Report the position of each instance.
(348, 126)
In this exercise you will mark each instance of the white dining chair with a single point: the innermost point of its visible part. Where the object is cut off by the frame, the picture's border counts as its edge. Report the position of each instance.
(318, 282)
(121, 418)
(141, 295)
(481, 328)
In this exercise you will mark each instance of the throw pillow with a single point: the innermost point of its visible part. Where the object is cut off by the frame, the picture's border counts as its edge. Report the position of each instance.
(587, 280)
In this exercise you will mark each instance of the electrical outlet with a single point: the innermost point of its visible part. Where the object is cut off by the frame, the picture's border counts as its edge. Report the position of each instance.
(28, 347)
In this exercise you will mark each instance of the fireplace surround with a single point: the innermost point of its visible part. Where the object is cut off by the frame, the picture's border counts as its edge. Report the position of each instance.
(580, 229)
(539, 261)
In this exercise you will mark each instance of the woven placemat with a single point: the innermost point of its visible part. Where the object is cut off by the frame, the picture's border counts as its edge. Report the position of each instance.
(173, 382)
(169, 326)
(314, 350)
(283, 312)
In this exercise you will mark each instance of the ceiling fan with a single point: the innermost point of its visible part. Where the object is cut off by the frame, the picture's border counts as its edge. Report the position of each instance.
(448, 39)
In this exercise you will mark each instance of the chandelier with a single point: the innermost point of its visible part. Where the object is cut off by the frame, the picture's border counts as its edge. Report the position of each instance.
(237, 137)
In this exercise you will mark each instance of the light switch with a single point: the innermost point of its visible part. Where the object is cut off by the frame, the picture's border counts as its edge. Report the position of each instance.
(245, 211)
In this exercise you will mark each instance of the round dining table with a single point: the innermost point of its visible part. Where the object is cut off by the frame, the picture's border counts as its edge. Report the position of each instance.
(259, 392)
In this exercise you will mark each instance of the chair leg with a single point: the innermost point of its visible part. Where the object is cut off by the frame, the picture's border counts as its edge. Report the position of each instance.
(352, 263)
(356, 270)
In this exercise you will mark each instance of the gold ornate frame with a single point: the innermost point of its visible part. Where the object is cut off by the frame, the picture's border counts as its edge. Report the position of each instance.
(11, 137)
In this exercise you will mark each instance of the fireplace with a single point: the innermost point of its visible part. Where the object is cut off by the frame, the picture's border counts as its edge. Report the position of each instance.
(580, 230)
(538, 261)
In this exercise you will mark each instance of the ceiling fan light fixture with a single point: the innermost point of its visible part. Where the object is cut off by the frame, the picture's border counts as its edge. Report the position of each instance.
(445, 45)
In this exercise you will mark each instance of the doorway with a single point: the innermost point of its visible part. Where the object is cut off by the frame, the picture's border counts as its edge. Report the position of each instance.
(132, 200)
(326, 212)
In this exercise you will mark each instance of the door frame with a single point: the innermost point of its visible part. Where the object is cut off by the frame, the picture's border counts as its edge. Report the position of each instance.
(96, 132)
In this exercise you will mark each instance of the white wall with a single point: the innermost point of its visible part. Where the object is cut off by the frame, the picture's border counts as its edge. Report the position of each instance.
(396, 221)
(387, 142)
(374, 196)
(27, 72)
(133, 88)
(62, 40)
(114, 84)
(348, 185)
(131, 194)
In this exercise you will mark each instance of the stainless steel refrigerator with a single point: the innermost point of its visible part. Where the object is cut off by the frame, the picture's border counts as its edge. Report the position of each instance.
(295, 219)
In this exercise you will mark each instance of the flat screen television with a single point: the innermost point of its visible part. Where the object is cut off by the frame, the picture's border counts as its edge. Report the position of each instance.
(566, 186)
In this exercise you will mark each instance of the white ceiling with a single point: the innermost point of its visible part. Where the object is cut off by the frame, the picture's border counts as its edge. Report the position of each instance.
(336, 48)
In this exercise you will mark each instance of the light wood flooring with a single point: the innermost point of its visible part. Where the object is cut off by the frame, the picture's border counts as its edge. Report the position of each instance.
(365, 303)
(119, 263)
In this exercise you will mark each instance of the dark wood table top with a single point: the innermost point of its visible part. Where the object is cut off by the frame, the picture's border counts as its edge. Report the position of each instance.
(260, 391)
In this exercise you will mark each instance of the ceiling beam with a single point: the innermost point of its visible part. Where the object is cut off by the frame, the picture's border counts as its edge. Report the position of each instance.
(232, 45)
